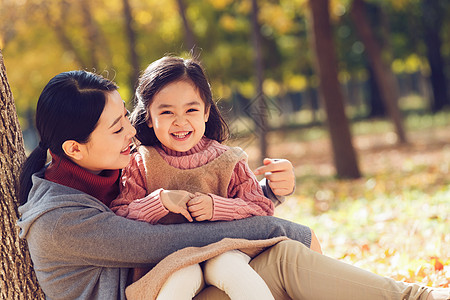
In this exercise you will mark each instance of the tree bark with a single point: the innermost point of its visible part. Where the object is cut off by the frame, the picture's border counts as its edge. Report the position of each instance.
(383, 74)
(17, 278)
(344, 154)
(259, 106)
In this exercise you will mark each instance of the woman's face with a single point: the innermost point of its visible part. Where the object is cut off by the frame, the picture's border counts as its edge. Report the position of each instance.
(178, 116)
(109, 145)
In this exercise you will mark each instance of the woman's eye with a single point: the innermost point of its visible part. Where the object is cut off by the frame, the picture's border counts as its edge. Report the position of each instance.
(118, 131)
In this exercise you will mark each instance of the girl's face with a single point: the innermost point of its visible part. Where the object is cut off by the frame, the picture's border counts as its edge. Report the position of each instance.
(178, 116)
(110, 142)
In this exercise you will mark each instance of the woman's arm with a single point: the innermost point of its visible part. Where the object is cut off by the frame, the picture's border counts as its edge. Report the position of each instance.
(279, 179)
(104, 239)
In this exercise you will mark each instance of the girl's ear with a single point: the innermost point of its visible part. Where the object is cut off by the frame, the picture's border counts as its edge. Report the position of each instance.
(73, 149)
(149, 123)
(207, 110)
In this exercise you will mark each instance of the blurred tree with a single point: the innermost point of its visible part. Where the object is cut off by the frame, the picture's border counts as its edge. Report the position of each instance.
(131, 35)
(376, 106)
(433, 15)
(260, 105)
(57, 18)
(384, 76)
(189, 38)
(17, 280)
(344, 154)
(92, 35)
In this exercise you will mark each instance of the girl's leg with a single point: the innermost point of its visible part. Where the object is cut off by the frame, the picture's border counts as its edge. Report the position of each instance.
(231, 273)
(183, 284)
(292, 271)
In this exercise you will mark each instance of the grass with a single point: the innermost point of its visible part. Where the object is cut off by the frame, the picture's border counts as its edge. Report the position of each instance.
(395, 220)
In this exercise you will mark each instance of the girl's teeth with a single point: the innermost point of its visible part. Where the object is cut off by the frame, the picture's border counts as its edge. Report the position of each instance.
(180, 135)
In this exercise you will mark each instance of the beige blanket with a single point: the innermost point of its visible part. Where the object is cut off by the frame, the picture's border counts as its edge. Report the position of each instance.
(149, 285)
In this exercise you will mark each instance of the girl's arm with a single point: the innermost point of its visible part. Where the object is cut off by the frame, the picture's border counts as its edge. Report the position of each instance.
(134, 202)
(245, 197)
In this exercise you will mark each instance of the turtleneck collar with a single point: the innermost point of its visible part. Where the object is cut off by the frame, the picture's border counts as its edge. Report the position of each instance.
(104, 187)
(201, 145)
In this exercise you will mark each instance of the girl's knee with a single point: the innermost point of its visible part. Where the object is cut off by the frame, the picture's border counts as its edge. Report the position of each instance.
(226, 259)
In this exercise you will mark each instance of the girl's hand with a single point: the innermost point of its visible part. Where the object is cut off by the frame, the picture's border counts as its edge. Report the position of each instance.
(201, 207)
(280, 175)
(176, 202)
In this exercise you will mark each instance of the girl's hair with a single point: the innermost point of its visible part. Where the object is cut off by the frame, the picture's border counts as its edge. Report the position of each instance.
(68, 109)
(159, 74)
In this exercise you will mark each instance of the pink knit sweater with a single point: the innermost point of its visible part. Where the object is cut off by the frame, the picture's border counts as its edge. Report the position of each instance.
(245, 196)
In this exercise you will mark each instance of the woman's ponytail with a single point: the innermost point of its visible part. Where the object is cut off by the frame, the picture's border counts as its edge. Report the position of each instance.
(35, 162)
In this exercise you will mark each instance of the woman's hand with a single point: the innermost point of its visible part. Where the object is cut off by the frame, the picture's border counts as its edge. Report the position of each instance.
(201, 207)
(176, 202)
(280, 175)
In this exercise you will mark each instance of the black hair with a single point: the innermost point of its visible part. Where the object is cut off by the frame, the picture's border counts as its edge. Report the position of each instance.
(162, 72)
(68, 108)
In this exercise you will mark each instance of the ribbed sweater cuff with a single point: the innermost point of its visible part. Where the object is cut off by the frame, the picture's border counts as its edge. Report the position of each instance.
(149, 209)
(223, 209)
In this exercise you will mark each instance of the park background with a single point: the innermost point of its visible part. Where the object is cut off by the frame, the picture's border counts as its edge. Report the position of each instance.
(353, 92)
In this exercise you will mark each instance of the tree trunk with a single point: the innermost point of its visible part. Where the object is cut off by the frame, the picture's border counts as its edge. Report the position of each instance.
(189, 38)
(432, 20)
(376, 106)
(17, 278)
(93, 39)
(341, 141)
(259, 104)
(131, 34)
(383, 74)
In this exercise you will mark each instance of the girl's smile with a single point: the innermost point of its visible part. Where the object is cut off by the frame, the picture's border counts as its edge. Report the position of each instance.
(181, 135)
(178, 115)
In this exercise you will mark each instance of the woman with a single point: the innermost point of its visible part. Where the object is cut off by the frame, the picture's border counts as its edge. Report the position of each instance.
(81, 250)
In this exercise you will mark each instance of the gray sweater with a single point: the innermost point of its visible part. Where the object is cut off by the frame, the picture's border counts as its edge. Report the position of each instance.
(81, 250)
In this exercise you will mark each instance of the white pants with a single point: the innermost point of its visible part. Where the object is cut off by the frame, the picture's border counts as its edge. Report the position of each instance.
(229, 272)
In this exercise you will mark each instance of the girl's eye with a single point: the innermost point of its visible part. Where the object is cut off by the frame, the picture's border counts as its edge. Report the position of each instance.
(118, 131)
(192, 110)
(166, 112)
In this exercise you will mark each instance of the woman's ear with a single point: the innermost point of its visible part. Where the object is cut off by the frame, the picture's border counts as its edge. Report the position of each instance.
(73, 149)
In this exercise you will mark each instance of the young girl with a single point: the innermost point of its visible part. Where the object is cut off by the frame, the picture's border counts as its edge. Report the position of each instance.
(180, 129)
